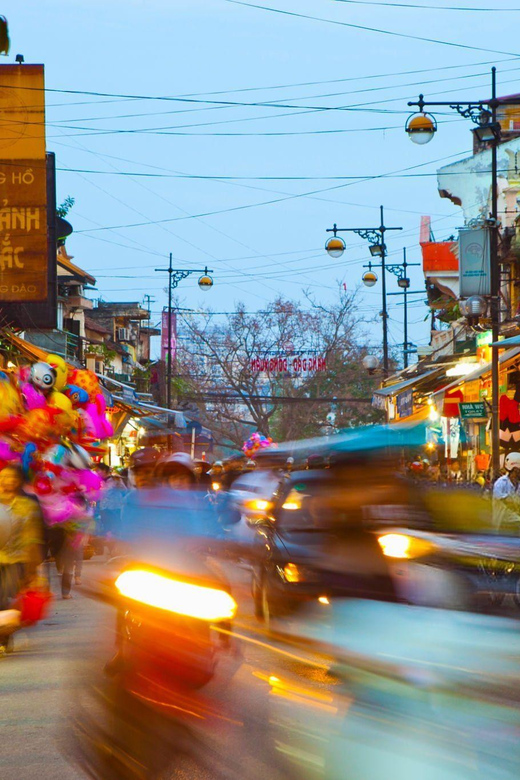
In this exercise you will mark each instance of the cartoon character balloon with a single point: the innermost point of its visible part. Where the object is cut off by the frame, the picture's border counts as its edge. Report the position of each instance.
(59, 365)
(43, 377)
(87, 380)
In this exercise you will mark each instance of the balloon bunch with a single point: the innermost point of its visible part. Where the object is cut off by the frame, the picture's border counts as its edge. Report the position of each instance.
(257, 441)
(51, 418)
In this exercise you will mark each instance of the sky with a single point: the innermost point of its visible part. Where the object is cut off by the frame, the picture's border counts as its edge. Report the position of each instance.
(233, 134)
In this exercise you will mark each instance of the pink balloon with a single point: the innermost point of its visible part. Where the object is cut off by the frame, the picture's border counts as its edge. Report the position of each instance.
(58, 509)
(32, 397)
(6, 453)
(105, 426)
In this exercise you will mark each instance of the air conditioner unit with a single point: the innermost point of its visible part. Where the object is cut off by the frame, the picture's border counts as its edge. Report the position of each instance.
(123, 334)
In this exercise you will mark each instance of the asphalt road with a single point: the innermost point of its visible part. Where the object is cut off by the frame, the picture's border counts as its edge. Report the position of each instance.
(56, 664)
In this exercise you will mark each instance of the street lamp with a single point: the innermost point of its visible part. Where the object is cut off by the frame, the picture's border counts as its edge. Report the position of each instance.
(474, 308)
(370, 363)
(369, 279)
(205, 281)
(398, 269)
(335, 246)
(421, 128)
(377, 250)
(484, 114)
(175, 276)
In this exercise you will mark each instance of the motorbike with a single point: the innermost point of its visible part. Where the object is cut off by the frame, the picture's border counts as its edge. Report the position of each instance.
(172, 629)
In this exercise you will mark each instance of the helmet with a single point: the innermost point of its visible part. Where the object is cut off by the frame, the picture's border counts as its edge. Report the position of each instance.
(512, 461)
(173, 463)
(147, 456)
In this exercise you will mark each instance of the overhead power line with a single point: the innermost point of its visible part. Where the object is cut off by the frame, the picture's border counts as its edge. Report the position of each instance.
(371, 29)
(279, 399)
(264, 203)
(471, 9)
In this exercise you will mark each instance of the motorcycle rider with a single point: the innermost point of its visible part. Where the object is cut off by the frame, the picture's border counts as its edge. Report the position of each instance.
(141, 468)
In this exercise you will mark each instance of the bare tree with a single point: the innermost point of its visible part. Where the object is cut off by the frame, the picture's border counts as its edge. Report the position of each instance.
(277, 371)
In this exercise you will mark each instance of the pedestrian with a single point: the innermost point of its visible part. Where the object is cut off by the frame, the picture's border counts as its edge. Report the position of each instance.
(109, 507)
(21, 540)
(506, 496)
(70, 556)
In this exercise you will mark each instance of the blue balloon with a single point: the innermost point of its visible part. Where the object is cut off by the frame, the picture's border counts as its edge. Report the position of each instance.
(76, 394)
(27, 456)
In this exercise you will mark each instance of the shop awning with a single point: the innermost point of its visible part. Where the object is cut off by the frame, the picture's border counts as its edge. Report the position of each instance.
(413, 381)
(512, 341)
(26, 348)
(504, 360)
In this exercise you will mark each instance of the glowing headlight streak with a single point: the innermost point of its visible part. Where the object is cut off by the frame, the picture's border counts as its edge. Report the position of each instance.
(258, 505)
(291, 506)
(183, 598)
(292, 573)
(395, 545)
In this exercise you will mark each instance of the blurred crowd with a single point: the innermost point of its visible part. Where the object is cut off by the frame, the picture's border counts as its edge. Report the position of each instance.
(370, 580)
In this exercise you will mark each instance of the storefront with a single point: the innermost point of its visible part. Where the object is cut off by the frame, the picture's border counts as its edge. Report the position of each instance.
(461, 414)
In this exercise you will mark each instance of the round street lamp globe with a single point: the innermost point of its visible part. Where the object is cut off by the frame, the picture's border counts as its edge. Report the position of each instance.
(476, 306)
(335, 246)
(463, 308)
(369, 279)
(421, 128)
(370, 362)
(205, 282)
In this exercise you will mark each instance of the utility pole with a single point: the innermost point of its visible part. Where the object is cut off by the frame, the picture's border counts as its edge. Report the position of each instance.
(175, 276)
(149, 299)
(376, 236)
(495, 288)
(404, 283)
(421, 128)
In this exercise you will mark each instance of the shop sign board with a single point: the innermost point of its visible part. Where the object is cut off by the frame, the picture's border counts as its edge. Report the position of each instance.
(23, 231)
(475, 269)
(379, 402)
(27, 202)
(405, 403)
(164, 335)
(282, 363)
(472, 391)
(472, 411)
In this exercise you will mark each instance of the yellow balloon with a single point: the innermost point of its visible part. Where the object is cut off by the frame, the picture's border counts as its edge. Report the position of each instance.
(60, 401)
(60, 366)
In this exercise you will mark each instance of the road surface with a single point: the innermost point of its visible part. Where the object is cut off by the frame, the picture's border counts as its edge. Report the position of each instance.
(43, 683)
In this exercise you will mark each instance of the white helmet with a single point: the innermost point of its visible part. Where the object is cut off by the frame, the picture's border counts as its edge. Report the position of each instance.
(512, 461)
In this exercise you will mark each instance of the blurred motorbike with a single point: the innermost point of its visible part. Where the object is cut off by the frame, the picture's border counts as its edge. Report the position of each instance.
(172, 628)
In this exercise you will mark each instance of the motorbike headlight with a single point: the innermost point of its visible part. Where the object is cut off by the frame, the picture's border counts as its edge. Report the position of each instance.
(215, 486)
(292, 572)
(257, 505)
(182, 598)
(404, 546)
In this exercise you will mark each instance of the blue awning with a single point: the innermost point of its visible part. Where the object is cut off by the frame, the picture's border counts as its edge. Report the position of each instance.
(512, 341)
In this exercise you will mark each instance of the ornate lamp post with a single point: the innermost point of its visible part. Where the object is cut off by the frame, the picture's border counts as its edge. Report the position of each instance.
(335, 247)
(175, 276)
(421, 127)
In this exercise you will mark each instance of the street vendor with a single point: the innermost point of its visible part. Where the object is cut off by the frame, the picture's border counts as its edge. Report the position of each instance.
(506, 496)
(20, 540)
